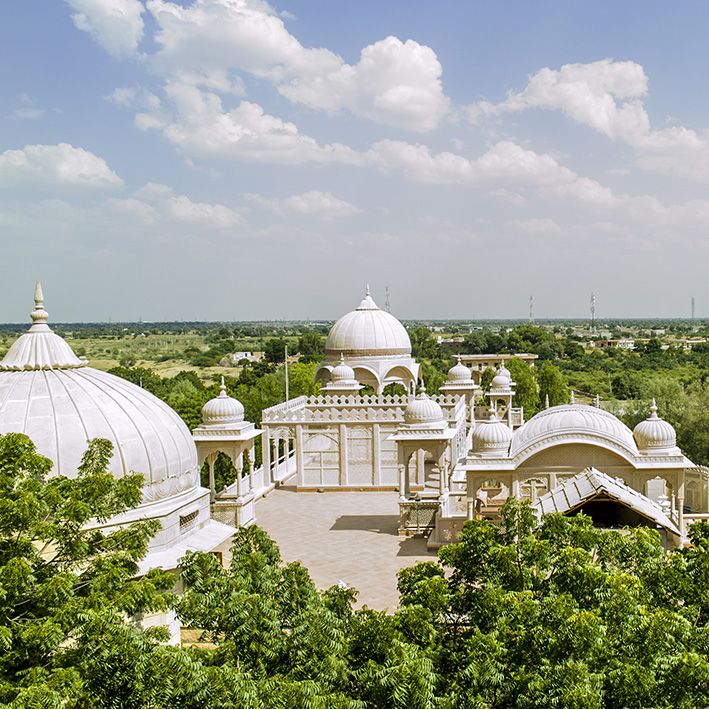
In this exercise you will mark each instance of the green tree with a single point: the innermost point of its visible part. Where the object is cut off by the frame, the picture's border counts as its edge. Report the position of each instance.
(311, 347)
(526, 391)
(66, 586)
(551, 384)
(423, 343)
(275, 349)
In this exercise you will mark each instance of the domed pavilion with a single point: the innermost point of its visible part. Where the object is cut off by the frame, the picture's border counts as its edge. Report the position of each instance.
(374, 344)
(55, 398)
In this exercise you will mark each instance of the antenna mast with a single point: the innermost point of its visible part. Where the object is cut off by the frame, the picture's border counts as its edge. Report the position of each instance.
(387, 304)
(593, 313)
(692, 309)
(531, 310)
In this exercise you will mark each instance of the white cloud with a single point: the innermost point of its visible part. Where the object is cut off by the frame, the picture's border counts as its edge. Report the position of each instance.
(61, 164)
(503, 165)
(607, 96)
(155, 201)
(535, 225)
(312, 204)
(117, 25)
(201, 127)
(394, 83)
(134, 97)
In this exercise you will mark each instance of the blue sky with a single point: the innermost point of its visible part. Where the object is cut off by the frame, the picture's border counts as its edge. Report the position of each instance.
(230, 159)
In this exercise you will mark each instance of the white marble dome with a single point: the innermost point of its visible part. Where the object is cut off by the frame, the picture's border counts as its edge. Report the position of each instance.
(502, 379)
(573, 419)
(491, 436)
(342, 372)
(654, 434)
(52, 396)
(424, 412)
(367, 331)
(459, 373)
(222, 410)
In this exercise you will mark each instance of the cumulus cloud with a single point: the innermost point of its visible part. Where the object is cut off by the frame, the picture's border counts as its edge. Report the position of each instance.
(117, 25)
(61, 164)
(201, 127)
(394, 83)
(607, 96)
(313, 203)
(155, 201)
(503, 164)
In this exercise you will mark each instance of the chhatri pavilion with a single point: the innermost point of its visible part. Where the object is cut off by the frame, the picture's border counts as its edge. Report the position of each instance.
(446, 457)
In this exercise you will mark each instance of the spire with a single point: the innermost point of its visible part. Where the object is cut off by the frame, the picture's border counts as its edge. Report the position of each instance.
(342, 357)
(459, 360)
(222, 388)
(366, 291)
(653, 409)
(546, 401)
(597, 401)
(572, 397)
(39, 315)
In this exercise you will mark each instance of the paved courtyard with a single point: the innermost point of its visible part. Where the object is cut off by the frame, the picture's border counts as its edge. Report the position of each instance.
(343, 536)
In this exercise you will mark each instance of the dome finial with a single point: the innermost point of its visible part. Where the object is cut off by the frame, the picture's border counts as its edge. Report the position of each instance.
(342, 357)
(366, 290)
(39, 315)
(597, 401)
(222, 388)
(653, 409)
(546, 401)
(572, 397)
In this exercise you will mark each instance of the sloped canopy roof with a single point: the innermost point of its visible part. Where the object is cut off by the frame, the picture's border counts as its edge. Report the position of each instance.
(591, 483)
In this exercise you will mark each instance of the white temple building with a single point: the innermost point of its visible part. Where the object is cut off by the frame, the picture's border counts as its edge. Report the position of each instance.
(55, 398)
(448, 457)
(461, 454)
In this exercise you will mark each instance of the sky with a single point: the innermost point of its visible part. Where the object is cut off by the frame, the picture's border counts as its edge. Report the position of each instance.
(238, 160)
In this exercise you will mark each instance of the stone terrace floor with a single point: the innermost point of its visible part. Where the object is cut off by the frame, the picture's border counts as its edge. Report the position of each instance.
(343, 536)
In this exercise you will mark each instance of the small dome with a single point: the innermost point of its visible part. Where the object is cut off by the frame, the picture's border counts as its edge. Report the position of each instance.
(342, 372)
(491, 436)
(368, 331)
(502, 379)
(459, 373)
(654, 434)
(424, 412)
(222, 410)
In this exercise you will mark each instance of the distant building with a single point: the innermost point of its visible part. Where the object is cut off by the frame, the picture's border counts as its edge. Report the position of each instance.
(478, 363)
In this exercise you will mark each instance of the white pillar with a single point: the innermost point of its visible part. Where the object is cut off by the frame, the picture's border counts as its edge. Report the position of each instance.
(343, 455)
(376, 455)
(300, 473)
(266, 458)
(212, 484)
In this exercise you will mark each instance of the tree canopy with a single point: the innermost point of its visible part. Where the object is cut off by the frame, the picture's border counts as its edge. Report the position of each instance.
(519, 614)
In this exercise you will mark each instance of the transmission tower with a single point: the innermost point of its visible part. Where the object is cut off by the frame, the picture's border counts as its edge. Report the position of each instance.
(531, 310)
(692, 308)
(387, 304)
(593, 313)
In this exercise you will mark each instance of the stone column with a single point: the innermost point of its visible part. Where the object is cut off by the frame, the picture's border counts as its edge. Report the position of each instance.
(212, 484)
(250, 458)
(420, 467)
(343, 455)
(300, 473)
(376, 455)
(266, 458)
(235, 457)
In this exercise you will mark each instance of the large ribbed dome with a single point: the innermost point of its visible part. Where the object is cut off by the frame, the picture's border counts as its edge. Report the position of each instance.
(51, 395)
(368, 331)
(573, 419)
